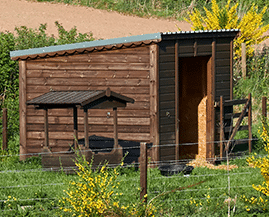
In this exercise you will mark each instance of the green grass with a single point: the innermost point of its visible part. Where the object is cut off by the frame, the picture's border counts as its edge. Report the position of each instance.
(41, 190)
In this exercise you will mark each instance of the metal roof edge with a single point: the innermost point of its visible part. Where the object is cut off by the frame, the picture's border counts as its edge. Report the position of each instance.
(201, 31)
(88, 44)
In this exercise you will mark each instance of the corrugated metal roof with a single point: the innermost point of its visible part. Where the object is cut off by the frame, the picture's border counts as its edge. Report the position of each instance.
(73, 98)
(201, 31)
(115, 43)
(80, 47)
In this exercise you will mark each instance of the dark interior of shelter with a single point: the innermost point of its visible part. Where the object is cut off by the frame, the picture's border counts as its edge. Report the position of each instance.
(192, 92)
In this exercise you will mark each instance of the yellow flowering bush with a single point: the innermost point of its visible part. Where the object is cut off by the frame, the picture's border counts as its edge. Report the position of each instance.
(94, 193)
(263, 164)
(251, 24)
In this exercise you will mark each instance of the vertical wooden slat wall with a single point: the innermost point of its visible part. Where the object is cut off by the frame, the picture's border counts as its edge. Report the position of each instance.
(219, 77)
(126, 71)
(167, 99)
(224, 81)
(223, 68)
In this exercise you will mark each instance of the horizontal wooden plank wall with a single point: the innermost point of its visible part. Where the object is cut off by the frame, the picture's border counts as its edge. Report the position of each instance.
(125, 71)
(167, 99)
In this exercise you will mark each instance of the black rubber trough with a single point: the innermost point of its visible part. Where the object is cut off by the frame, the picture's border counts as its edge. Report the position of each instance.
(168, 170)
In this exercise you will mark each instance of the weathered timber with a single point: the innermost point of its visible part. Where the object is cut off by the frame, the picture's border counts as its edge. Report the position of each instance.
(222, 136)
(23, 109)
(210, 112)
(143, 171)
(122, 90)
(87, 74)
(92, 120)
(95, 128)
(82, 81)
(70, 135)
(154, 99)
(92, 66)
(250, 124)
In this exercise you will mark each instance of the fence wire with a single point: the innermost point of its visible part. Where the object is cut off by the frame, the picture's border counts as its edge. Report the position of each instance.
(152, 178)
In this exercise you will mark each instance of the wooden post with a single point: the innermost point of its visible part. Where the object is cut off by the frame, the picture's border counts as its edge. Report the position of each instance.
(153, 101)
(22, 101)
(75, 116)
(244, 61)
(116, 143)
(221, 127)
(4, 132)
(264, 107)
(143, 171)
(86, 128)
(177, 102)
(46, 128)
(210, 110)
(250, 124)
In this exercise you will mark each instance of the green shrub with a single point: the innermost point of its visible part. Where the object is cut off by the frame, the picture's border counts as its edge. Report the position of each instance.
(25, 38)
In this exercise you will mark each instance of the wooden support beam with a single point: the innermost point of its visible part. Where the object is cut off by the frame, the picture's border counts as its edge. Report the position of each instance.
(153, 101)
(264, 107)
(250, 124)
(86, 128)
(4, 130)
(46, 128)
(210, 110)
(143, 171)
(115, 126)
(177, 100)
(75, 118)
(221, 127)
(22, 102)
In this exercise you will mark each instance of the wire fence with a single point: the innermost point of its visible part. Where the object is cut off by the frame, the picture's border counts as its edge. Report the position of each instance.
(26, 186)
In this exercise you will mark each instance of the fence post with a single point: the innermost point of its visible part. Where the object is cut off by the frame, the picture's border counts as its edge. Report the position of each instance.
(143, 171)
(264, 107)
(4, 130)
(250, 124)
(244, 61)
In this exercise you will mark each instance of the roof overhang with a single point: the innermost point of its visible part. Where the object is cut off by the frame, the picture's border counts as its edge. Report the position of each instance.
(117, 43)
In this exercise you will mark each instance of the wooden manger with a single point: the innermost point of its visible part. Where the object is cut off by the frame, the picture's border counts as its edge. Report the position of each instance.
(85, 100)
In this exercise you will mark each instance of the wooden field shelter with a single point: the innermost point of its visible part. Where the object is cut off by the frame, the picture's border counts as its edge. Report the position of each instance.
(175, 79)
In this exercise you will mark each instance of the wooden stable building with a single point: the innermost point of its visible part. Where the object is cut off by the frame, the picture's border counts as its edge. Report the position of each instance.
(175, 79)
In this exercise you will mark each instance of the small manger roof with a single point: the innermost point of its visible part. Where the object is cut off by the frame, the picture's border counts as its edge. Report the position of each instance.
(86, 99)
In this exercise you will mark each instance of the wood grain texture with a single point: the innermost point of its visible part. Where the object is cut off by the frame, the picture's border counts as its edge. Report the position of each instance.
(154, 123)
(126, 72)
(23, 109)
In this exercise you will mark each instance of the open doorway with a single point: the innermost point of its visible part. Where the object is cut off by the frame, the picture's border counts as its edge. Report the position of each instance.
(192, 104)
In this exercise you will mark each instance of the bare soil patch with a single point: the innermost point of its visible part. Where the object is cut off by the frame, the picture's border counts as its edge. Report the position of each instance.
(103, 24)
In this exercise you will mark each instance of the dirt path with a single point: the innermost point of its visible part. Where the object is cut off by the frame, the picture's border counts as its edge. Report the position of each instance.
(102, 24)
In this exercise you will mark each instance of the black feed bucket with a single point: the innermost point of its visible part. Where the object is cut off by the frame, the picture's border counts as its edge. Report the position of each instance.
(168, 170)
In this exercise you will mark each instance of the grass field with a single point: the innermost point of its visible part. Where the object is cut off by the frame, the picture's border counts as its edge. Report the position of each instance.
(28, 190)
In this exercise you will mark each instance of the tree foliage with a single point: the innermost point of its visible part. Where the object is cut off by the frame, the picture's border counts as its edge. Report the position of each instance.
(250, 24)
